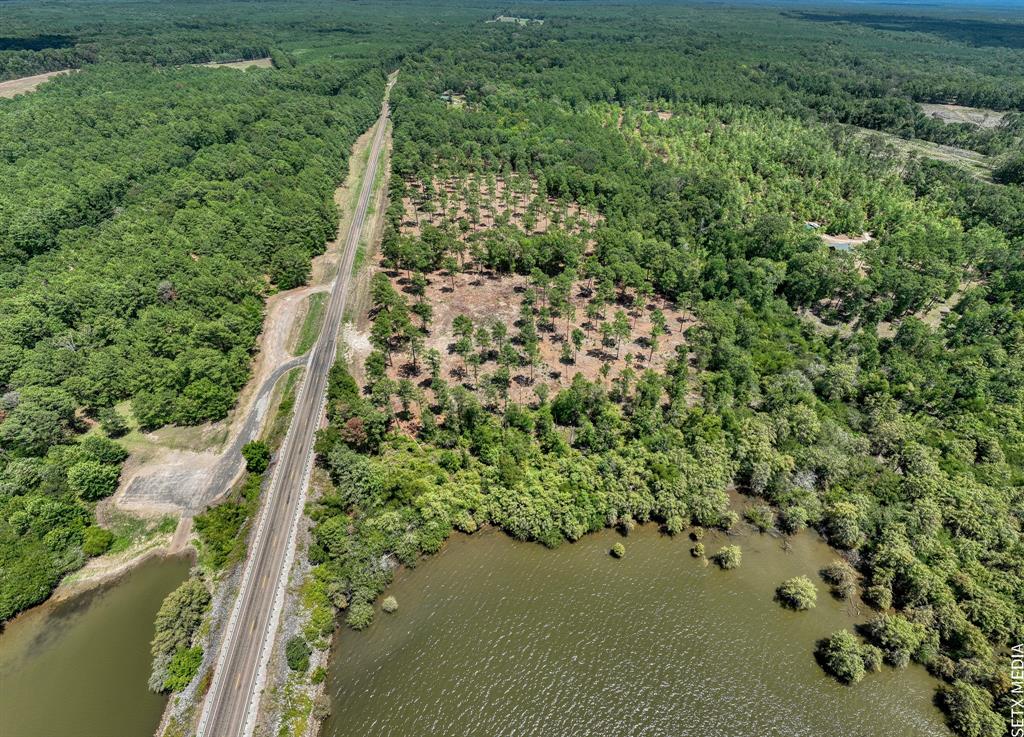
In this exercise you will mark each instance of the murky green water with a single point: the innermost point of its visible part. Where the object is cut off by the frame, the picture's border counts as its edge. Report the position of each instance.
(78, 668)
(494, 637)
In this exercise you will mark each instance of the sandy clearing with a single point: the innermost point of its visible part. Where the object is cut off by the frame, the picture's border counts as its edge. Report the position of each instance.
(264, 63)
(975, 116)
(174, 474)
(662, 114)
(488, 298)
(844, 242)
(13, 87)
(517, 20)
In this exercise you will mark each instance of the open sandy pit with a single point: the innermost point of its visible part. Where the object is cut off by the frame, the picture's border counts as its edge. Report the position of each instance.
(264, 63)
(976, 116)
(20, 86)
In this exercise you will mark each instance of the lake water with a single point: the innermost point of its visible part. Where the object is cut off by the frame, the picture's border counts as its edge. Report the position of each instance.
(78, 668)
(497, 638)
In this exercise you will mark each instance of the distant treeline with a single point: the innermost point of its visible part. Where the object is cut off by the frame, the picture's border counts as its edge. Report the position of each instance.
(198, 48)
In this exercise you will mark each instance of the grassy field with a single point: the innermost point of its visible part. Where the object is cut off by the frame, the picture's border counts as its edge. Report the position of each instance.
(274, 434)
(317, 303)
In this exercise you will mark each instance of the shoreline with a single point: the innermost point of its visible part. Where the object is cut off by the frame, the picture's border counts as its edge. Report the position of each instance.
(105, 569)
(766, 561)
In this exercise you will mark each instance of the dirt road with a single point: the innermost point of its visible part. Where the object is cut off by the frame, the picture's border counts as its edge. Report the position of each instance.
(188, 488)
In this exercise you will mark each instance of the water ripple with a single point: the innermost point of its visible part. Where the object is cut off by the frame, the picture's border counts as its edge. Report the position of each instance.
(496, 638)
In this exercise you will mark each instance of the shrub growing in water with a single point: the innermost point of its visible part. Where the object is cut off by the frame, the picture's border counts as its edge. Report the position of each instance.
(969, 710)
(728, 557)
(843, 656)
(618, 550)
(793, 519)
(900, 639)
(360, 614)
(872, 658)
(942, 667)
(297, 652)
(389, 605)
(841, 576)
(697, 551)
(797, 593)
(675, 524)
(878, 596)
(840, 656)
(761, 517)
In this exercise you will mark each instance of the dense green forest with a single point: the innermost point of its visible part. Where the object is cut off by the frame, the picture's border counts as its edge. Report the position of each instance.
(138, 239)
(873, 392)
